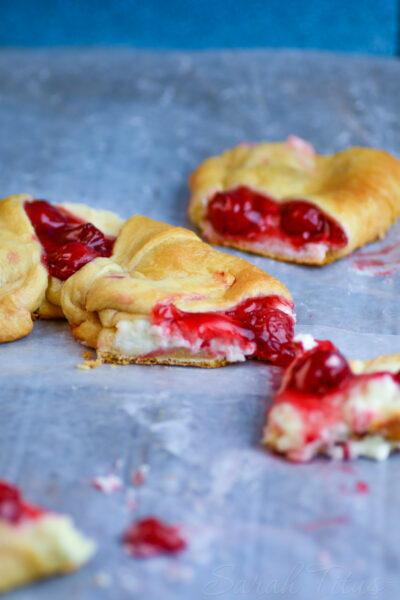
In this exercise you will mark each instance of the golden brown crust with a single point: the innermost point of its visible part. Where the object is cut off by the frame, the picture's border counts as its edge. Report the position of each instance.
(389, 363)
(176, 359)
(23, 277)
(153, 262)
(40, 548)
(25, 286)
(359, 188)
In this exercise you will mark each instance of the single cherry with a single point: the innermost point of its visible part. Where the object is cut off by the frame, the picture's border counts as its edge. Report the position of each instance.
(397, 377)
(241, 212)
(319, 371)
(273, 329)
(11, 509)
(150, 537)
(301, 218)
(68, 259)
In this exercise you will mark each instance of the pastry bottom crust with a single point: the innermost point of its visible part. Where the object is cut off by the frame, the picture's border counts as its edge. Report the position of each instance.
(178, 358)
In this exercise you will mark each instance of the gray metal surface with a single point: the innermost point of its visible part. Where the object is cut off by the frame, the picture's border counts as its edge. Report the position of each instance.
(122, 130)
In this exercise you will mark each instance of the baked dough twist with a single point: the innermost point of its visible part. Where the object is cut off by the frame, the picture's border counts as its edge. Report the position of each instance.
(110, 301)
(358, 188)
(26, 290)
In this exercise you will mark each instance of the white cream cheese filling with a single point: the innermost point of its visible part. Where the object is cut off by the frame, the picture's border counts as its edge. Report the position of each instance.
(139, 337)
(372, 402)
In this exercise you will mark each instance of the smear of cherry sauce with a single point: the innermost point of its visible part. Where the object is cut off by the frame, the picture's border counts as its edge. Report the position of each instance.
(244, 213)
(13, 508)
(258, 320)
(150, 537)
(68, 242)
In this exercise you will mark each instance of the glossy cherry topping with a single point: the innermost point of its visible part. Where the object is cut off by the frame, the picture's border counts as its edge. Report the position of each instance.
(319, 371)
(13, 508)
(151, 537)
(272, 328)
(301, 218)
(257, 320)
(68, 242)
(244, 213)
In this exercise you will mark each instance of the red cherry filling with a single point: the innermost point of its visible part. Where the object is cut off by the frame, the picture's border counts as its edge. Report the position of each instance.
(69, 258)
(68, 243)
(257, 320)
(12, 507)
(272, 328)
(45, 217)
(242, 212)
(319, 371)
(300, 218)
(245, 213)
(150, 537)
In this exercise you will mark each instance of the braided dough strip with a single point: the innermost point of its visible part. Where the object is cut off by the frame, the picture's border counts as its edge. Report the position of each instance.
(154, 262)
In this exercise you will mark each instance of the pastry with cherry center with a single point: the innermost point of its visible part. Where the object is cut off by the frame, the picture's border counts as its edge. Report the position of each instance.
(35, 543)
(285, 201)
(164, 296)
(328, 405)
(41, 245)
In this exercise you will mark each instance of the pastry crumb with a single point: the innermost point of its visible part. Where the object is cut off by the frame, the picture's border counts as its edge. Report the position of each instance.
(86, 354)
(89, 364)
(107, 483)
(102, 579)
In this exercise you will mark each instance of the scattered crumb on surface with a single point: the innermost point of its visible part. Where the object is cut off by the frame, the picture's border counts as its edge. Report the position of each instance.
(112, 366)
(102, 579)
(89, 364)
(86, 354)
(139, 475)
(107, 483)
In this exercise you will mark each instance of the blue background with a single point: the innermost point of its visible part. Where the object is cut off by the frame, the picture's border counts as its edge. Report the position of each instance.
(370, 26)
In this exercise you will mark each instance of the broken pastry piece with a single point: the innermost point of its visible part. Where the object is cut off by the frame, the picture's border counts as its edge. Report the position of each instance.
(166, 297)
(328, 405)
(35, 543)
(284, 201)
(41, 245)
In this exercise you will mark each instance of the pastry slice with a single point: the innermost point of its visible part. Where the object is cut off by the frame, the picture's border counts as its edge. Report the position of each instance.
(328, 405)
(34, 542)
(166, 297)
(41, 245)
(284, 201)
